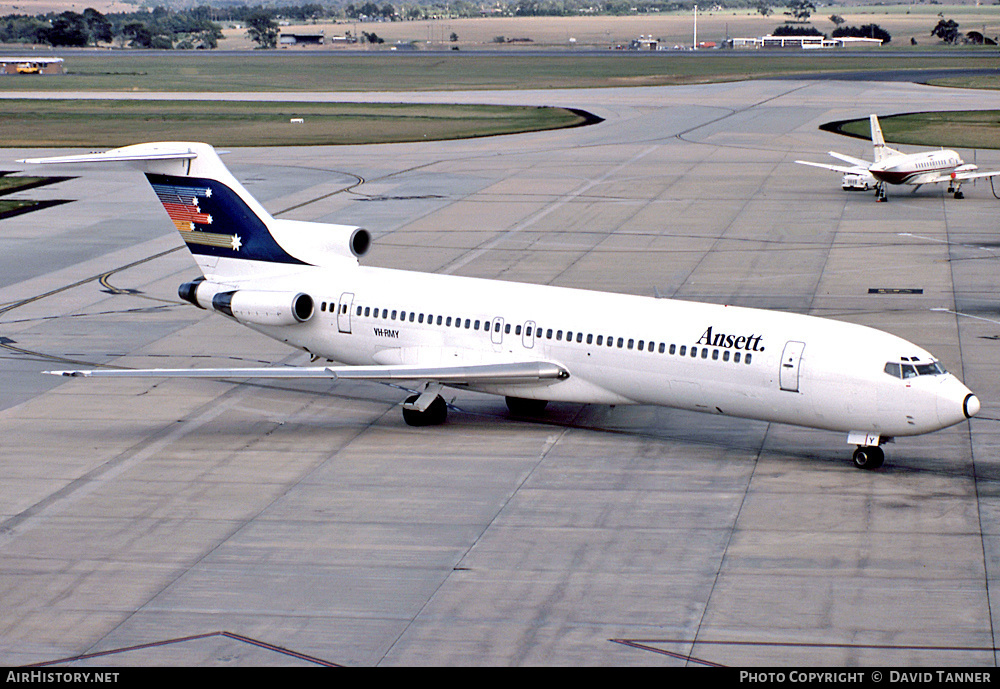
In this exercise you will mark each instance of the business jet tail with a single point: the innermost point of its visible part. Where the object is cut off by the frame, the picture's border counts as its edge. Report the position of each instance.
(229, 233)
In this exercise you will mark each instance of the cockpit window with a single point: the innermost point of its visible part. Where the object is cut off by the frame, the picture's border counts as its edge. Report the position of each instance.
(908, 370)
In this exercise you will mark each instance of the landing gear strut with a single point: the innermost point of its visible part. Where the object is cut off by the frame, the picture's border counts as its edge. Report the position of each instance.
(880, 192)
(868, 457)
(433, 415)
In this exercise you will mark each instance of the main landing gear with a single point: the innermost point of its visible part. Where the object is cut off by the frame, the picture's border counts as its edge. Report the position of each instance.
(521, 407)
(880, 192)
(957, 191)
(426, 409)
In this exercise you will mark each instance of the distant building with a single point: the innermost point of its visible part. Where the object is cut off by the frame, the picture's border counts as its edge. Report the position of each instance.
(803, 42)
(644, 43)
(301, 38)
(31, 65)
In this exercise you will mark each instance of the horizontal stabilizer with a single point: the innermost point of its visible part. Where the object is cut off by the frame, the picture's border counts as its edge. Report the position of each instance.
(139, 152)
(481, 374)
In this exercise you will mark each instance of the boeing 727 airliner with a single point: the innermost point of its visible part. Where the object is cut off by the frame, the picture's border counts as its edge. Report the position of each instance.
(301, 283)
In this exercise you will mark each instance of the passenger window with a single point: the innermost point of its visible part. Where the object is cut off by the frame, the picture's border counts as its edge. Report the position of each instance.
(704, 353)
(590, 338)
(683, 350)
(385, 313)
(477, 326)
(673, 349)
(548, 334)
(394, 314)
(621, 342)
(631, 343)
(579, 337)
(642, 345)
(715, 355)
(694, 352)
(725, 355)
(746, 359)
(467, 323)
(359, 310)
(447, 322)
(368, 311)
(559, 335)
(600, 339)
(736, 357)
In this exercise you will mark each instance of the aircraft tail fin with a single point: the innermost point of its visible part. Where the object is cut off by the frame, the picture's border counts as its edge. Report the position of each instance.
(878, 141)
(221, 223)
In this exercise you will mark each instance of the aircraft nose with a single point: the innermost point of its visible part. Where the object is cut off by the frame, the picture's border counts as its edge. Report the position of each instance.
(970, 406)
(955, 402)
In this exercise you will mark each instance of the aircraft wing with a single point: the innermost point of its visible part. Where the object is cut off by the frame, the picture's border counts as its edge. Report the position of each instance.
(836, 168)
(864, 164)
(970, 174)
(478, 374)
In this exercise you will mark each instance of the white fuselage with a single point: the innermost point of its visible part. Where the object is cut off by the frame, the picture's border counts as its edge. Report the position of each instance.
(622, 349)
(917, 168)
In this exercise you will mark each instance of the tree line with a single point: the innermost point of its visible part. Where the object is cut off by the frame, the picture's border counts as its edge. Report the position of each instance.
(200, 27)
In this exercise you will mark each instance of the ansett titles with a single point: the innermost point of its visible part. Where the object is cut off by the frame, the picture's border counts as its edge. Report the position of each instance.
(750, 343)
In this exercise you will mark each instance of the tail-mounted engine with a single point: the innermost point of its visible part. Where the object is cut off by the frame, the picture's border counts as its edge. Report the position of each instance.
(256, 307)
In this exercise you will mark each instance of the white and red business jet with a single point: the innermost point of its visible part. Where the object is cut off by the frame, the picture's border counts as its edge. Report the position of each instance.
(301, 283)
(895, 167)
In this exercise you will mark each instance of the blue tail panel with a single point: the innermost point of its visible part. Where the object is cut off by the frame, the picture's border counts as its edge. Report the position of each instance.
(214, 221)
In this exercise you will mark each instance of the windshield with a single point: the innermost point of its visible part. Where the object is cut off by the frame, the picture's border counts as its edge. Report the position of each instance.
(906, 369)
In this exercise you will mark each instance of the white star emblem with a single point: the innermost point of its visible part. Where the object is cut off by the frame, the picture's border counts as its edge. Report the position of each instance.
(236, 243)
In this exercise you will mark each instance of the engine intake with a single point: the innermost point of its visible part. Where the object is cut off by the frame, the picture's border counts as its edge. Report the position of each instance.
(265, 308)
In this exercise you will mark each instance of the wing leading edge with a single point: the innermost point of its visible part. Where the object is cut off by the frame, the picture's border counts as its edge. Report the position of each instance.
(516, 373)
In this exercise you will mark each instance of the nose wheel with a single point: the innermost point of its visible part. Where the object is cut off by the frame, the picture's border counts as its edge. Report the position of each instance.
(868, 457)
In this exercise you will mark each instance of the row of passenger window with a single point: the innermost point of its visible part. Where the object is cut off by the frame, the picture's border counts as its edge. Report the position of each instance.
(533, 331)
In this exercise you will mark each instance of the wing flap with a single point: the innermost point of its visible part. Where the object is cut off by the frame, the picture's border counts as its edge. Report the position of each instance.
(481, 374)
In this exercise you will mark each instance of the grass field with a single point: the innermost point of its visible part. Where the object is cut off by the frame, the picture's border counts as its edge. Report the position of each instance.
(429, 67)
(301, 71)
(116, 123)
(976, 129)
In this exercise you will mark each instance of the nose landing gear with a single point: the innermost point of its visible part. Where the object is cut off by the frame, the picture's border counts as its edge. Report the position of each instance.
(868, 457)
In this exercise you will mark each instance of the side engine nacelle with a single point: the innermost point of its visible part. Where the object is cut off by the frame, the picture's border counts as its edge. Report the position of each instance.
(256, 307)
(321, 243)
